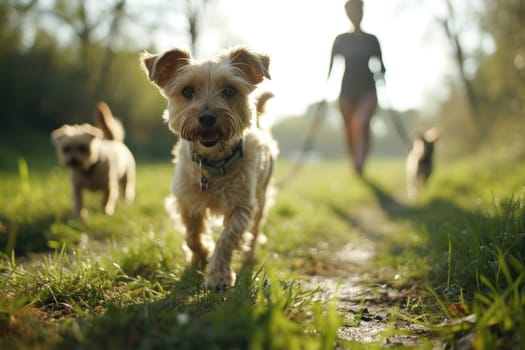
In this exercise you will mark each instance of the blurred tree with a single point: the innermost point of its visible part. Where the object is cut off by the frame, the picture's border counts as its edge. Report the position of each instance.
(453, 25)
(502, 73)
(59, 57)
(84, 24)
(496, 87)
(114, 29)
(194, 10)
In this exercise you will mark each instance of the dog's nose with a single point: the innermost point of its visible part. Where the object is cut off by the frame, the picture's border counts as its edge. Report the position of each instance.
(73, 162)
(207, 119)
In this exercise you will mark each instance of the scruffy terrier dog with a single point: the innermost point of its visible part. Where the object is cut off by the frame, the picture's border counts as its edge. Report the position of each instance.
(419, 161)
(98, 159)
(223, 161)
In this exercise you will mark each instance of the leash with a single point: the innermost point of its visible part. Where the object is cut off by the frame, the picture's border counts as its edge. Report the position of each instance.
(315, 127)
(401, 130)
(309, 142)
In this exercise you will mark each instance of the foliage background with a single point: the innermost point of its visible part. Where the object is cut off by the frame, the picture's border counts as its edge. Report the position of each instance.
(58, 58)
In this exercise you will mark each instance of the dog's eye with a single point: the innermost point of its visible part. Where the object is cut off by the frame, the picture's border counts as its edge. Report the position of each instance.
(188, 92)
(229, 91)
(82, 149)
(66, 149)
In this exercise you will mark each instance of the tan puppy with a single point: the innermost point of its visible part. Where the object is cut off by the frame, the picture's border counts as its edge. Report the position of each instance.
(419, 164)
(98, 159)
(223, 162)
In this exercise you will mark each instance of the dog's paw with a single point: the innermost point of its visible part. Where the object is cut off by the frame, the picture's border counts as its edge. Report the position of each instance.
(129, 196)
(198, 261)
(80, 214)
(219, 281)
(109, 210)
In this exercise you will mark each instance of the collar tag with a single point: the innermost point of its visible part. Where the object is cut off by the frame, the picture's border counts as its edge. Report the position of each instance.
(204, 180)
(204, 184)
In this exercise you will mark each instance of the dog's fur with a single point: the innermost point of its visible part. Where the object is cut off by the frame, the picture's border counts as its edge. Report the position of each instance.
(210, 108)
(419, 164)
(98, 159)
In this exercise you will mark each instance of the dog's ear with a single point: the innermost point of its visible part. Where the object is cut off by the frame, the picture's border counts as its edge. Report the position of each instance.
(160, 68)
(91, 131)
(58, 134)
(254, 65)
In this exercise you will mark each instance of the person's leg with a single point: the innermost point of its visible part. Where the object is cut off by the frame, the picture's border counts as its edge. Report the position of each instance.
(348, 110)
(364, 111)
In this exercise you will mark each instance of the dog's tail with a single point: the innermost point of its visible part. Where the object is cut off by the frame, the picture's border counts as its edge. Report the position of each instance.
(260, 103)
(432, 134)
(110, 126)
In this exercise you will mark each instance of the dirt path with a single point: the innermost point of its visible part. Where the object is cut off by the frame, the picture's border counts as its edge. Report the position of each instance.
(367, 292)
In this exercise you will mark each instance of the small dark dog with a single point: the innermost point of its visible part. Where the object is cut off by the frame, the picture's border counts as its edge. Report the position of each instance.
(419, 161)
(98, 159)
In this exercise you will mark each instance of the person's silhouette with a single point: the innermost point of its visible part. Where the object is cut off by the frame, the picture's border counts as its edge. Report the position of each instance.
(358, 97)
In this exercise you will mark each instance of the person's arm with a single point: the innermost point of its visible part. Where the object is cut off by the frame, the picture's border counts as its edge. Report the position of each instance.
(380, 56)
(332, 55)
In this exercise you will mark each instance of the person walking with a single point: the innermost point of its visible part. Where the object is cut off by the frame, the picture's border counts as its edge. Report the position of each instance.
(358, 96)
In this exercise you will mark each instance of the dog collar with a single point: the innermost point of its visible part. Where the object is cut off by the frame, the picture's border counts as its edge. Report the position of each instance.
(220, 167)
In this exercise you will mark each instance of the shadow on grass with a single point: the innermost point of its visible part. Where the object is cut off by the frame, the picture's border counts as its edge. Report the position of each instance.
(438, 210)
(25, 237)
(189, 317)
(43, 233)
(434, 219)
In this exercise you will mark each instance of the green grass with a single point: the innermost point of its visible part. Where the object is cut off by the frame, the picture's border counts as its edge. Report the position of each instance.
(122, 281)
(473, 220)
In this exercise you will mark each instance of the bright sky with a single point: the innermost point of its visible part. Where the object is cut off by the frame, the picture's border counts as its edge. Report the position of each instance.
(298, 36)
